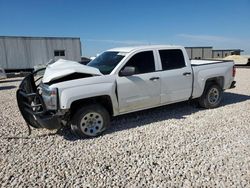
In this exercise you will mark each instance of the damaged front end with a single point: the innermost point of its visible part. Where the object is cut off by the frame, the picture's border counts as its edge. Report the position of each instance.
(32, 106)
(38, 100)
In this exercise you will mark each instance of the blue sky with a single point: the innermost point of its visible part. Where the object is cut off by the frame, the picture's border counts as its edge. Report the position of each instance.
(111, 23)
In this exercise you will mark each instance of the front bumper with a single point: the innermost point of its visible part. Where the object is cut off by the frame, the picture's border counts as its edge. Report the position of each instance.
(32, 107)
(48, 121)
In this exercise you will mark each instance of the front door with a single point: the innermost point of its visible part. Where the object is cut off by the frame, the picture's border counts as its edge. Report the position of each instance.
(141, 90)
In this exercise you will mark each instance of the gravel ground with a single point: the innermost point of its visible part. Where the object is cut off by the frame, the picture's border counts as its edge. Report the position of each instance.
(172, 146)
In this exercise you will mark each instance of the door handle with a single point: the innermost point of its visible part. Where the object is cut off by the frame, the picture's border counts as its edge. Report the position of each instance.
(186, 73)
(154, 78)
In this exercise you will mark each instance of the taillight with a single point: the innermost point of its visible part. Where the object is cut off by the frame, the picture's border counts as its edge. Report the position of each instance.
(234, 71)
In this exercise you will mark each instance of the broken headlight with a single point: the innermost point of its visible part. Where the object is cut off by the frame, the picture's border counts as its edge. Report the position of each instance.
(49, 97)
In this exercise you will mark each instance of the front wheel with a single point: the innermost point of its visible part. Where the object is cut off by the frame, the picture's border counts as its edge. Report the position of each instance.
(90, 121)
(211, 96)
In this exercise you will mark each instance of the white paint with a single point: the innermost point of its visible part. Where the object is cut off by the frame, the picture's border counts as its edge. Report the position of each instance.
(137, 92)
(63, 68)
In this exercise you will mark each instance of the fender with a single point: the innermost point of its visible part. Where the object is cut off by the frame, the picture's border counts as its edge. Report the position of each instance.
(220, 74)
(74, 90)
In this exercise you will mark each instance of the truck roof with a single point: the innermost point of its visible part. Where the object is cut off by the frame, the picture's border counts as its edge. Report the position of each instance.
(134, 48)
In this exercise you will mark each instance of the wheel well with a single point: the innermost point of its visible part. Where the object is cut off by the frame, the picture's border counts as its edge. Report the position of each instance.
(105, 101)
(216, 80)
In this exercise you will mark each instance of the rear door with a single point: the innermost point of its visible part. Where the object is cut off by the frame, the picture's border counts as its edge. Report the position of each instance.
(141, 90)
(176, 76)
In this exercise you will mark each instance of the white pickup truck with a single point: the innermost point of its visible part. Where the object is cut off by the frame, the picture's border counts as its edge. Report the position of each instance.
(119, 81)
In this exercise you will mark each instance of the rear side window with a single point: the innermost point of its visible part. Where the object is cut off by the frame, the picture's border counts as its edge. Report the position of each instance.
(172, 59)
(143, 62)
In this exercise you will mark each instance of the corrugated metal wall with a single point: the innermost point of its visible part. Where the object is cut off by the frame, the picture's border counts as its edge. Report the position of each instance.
(217, 54)
(225, 53)
(26, 52)
(189, 52)
(199, 52)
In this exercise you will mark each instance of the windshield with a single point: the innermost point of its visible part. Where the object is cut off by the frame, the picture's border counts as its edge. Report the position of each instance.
(107, 61)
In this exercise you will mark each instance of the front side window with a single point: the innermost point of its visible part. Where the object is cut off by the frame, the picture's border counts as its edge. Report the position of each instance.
(172, 59)
(143, 62)
(107, 61)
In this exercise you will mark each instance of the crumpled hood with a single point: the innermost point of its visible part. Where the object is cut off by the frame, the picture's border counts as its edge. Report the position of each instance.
(63, 68)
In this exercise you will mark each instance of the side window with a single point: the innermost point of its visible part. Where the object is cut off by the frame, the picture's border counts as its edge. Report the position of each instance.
(143, 62)
(172, 59)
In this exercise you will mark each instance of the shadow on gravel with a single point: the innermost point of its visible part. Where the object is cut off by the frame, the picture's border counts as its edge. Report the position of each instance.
(7, 87)
(172, 111)
(8, 81)
(232, 98)
(142, 118)
(29, 137)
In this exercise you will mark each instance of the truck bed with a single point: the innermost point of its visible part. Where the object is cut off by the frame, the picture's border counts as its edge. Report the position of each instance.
(207, 62)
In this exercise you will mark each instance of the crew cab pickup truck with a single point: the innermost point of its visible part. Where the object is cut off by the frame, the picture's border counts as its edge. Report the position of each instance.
(119, 81)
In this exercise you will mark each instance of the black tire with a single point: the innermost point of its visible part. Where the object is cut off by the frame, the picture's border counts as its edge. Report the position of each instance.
(211, 96)
(90, 121)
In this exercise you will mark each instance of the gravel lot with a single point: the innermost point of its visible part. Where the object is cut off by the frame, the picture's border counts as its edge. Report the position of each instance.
(172, 146)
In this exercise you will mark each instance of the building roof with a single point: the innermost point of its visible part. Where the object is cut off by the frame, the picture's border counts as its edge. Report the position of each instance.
(217, 50)
(33, 37)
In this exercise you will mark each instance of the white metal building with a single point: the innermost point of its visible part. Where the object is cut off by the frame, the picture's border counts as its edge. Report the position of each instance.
(207, 52)
(199, 52)
(226, 52)
(19, 53)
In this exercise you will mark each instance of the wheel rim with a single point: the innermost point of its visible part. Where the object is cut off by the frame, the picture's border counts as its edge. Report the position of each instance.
(213, 96)
(91, 123)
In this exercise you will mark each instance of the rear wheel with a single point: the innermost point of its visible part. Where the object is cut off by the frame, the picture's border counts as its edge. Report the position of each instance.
(90, 121)
(211, 96)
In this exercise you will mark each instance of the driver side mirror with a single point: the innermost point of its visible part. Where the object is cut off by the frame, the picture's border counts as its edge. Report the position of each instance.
(127, 71)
